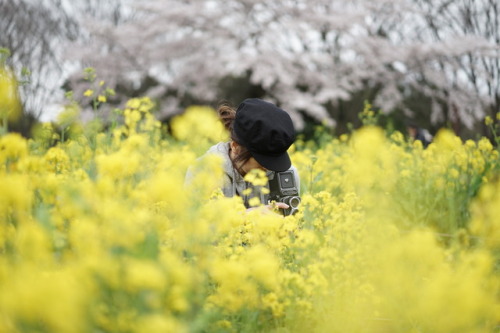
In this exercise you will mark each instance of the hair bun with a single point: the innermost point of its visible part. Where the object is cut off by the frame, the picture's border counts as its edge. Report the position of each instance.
(227, 114)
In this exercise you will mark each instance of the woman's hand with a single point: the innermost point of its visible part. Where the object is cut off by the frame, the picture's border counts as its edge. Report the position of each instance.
(276, 205)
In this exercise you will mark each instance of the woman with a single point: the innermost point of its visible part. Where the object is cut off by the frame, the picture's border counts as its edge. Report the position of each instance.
(260, 134)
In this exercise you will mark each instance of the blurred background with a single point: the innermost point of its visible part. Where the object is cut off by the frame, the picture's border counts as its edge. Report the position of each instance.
(429, 63)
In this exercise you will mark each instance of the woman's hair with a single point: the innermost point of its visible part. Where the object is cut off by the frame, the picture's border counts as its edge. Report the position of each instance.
(227, 114)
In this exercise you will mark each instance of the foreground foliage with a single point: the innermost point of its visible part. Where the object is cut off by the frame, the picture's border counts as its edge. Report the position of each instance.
(98, 233)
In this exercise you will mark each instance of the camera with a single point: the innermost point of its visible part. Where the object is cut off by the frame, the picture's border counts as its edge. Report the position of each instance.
(283, 188)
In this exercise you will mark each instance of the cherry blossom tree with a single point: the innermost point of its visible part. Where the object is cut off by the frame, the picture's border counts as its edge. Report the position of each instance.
(34, 32)
(307, 56)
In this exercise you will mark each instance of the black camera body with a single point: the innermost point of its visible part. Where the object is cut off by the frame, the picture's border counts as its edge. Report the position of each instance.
(283, 188)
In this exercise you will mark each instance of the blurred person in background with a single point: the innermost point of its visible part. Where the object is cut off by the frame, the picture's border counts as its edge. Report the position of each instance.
(417, 133)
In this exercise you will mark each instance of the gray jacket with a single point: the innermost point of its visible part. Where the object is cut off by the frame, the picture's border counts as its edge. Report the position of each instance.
(233, 183)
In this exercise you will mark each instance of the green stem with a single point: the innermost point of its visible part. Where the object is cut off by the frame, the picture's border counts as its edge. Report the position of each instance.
(5, 124)
(311, 179)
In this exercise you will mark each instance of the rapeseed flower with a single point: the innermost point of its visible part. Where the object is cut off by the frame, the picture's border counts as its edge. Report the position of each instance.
(56, 160)
(13, 147)
(142, 275)
(157, 323)
(16, 195)
(10, 103)
(50, 299)
(199, 127)
(488, 121)
(101, 232)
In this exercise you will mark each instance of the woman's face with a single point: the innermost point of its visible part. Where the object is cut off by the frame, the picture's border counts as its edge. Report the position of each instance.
(247, 166)
(252, 164)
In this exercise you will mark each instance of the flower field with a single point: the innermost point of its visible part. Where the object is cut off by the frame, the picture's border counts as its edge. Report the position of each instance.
(99, 233)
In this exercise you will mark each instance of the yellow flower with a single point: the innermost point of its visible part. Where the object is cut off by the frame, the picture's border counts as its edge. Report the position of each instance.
(10, 103)
(254, 202)
(56, 160)
(101, 98)
(88, 92)
(143, 275)
(471, 144)
(485, 145)
(263, 265)
(55, 298)
(397, 137)
(118, 165)
(405, 173)
(235, 289)
(16, 194)
(272, 302)
(132, 117)
(12, 147)
(133, 103)
(454, 173)
(488, 121)
(198, 126)
(256, 177)
(157, 323)
(247, 191)
(223, 324)
(69, 115)
(33, 243)
(447, 140)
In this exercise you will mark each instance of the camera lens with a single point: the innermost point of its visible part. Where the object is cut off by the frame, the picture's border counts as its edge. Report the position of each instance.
(294, 202)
